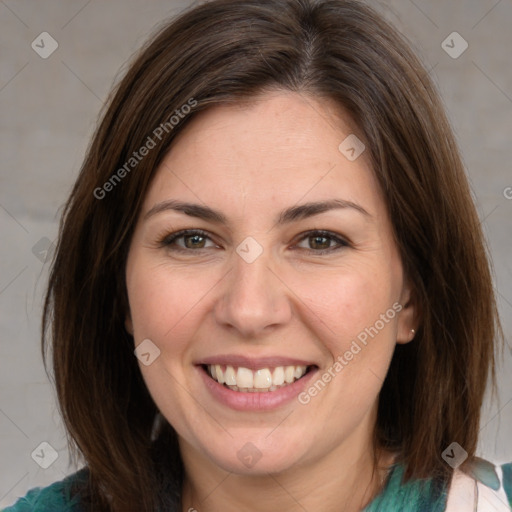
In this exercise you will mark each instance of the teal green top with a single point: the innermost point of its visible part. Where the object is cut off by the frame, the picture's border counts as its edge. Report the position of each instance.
(54, 498)
(415, 496)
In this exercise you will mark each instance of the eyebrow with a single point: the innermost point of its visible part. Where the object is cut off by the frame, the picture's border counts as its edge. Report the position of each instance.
(292, 214)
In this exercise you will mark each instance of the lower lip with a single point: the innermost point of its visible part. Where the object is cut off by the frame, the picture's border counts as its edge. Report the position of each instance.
(259, 401)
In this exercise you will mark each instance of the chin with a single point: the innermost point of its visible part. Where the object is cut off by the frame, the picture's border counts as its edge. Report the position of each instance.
(245, 457)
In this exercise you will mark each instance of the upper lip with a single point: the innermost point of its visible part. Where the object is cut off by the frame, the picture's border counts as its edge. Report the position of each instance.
(254, 363)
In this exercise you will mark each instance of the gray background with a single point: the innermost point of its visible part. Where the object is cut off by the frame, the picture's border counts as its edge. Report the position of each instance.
(49, 109)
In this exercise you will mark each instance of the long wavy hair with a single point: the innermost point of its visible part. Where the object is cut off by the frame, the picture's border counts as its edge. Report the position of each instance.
(229, 51)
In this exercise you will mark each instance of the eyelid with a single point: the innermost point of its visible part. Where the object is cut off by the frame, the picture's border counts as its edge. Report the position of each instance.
(169, 238)
(339, 239)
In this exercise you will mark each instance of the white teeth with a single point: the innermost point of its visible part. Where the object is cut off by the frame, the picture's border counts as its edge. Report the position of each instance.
(297, 373)
(220, 376)
(261, 380)
(289, 374)
(229, 376)
(244, 378)
(278, 376)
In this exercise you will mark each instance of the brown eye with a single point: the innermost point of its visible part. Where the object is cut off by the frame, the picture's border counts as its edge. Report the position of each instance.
(320, 242)
(192, 239)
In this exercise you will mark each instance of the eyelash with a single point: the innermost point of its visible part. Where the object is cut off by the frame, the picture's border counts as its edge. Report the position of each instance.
(169, 239)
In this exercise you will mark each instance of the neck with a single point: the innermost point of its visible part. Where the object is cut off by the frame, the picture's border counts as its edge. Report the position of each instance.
(343, 480)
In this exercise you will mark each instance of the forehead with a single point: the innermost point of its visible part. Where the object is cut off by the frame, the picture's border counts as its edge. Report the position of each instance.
(279, 144)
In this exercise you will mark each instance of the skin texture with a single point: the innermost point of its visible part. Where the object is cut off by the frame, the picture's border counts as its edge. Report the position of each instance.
(250, 162)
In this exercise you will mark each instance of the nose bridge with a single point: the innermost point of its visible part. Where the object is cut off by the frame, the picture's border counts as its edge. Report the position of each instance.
(253, 298)
(251, 275)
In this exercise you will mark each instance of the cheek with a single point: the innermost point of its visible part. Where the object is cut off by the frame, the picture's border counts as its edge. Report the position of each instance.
(165, 302)
(352, 312)
(347, 303)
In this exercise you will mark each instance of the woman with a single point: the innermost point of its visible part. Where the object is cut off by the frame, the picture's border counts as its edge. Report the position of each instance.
(271, 290)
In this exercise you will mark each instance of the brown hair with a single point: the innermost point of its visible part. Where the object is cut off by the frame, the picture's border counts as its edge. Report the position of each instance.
(227, 51)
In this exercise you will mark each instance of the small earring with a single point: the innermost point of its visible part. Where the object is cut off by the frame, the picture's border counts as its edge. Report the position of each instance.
(413, 332)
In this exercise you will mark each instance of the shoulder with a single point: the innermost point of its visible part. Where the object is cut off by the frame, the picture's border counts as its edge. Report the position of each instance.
(54, 498)
(484, 487)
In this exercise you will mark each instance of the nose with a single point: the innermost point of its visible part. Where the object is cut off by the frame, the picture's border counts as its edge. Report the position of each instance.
(253, 299)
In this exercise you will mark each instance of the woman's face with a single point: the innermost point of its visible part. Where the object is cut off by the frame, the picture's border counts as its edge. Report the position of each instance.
(269, 284)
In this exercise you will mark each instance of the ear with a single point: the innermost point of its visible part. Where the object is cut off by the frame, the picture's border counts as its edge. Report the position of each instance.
(409, 317)
(128, 324)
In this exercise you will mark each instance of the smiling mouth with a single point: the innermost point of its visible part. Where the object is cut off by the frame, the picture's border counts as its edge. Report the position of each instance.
(245, 380)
